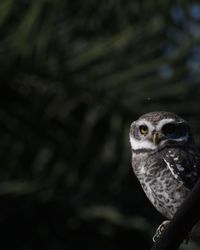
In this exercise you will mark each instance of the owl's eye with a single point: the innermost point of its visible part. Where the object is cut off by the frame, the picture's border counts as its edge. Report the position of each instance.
(143, 129)
(169, 128)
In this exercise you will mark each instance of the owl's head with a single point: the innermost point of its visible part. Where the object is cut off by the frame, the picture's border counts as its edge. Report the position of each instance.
(156, 129)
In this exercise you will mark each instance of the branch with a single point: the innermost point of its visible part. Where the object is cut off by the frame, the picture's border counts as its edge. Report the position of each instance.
(182, 223)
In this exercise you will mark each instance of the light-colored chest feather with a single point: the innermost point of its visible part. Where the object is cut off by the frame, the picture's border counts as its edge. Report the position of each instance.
(164, 191)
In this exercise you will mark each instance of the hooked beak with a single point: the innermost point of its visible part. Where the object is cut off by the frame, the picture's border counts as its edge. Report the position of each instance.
(155, 138)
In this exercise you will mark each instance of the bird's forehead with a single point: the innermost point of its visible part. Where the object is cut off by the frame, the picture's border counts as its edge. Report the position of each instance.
(155, 117)
(164, 121)
(149, 124)
(159, 118)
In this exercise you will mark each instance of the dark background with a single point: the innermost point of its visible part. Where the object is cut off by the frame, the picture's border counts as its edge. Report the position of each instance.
(74, 75)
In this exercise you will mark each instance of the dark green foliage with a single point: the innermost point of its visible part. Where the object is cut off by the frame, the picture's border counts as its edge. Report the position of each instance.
(74, 75)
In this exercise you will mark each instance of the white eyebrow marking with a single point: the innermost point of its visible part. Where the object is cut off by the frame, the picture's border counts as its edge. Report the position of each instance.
(164, 121)
(144, 122)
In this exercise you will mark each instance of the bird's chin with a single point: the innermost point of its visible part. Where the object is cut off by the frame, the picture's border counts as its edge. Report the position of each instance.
(141, 145)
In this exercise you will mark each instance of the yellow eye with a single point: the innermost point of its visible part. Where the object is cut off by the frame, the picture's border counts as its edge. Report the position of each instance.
(143, 129)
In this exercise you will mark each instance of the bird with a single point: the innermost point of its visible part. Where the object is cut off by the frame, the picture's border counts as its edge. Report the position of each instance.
(165, 160)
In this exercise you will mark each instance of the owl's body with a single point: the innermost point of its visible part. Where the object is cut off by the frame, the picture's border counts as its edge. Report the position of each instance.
(164, 191)
(164, 159)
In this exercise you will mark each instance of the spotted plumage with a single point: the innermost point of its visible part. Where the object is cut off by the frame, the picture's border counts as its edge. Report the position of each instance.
(164, 159)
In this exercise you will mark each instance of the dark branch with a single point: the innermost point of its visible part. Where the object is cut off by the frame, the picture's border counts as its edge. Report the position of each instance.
(182, 223)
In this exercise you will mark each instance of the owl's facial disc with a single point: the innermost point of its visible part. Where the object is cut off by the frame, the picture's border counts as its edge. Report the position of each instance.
(150, 136)
(141, 135)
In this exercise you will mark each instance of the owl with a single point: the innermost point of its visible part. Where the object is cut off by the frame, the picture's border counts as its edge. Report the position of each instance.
(165, 160)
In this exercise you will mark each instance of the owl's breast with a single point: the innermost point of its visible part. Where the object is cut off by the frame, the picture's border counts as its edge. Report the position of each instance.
(163, 190)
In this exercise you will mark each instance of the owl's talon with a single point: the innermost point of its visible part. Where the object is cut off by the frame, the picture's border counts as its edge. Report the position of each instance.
(160, 229)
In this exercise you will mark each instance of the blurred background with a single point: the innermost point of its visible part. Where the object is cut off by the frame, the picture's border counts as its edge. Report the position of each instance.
(74, 75)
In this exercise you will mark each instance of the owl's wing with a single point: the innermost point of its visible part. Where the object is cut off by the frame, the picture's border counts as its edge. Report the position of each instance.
(184, 165)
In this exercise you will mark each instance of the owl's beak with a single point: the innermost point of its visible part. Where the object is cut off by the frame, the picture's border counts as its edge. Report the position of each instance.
(155, 138)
